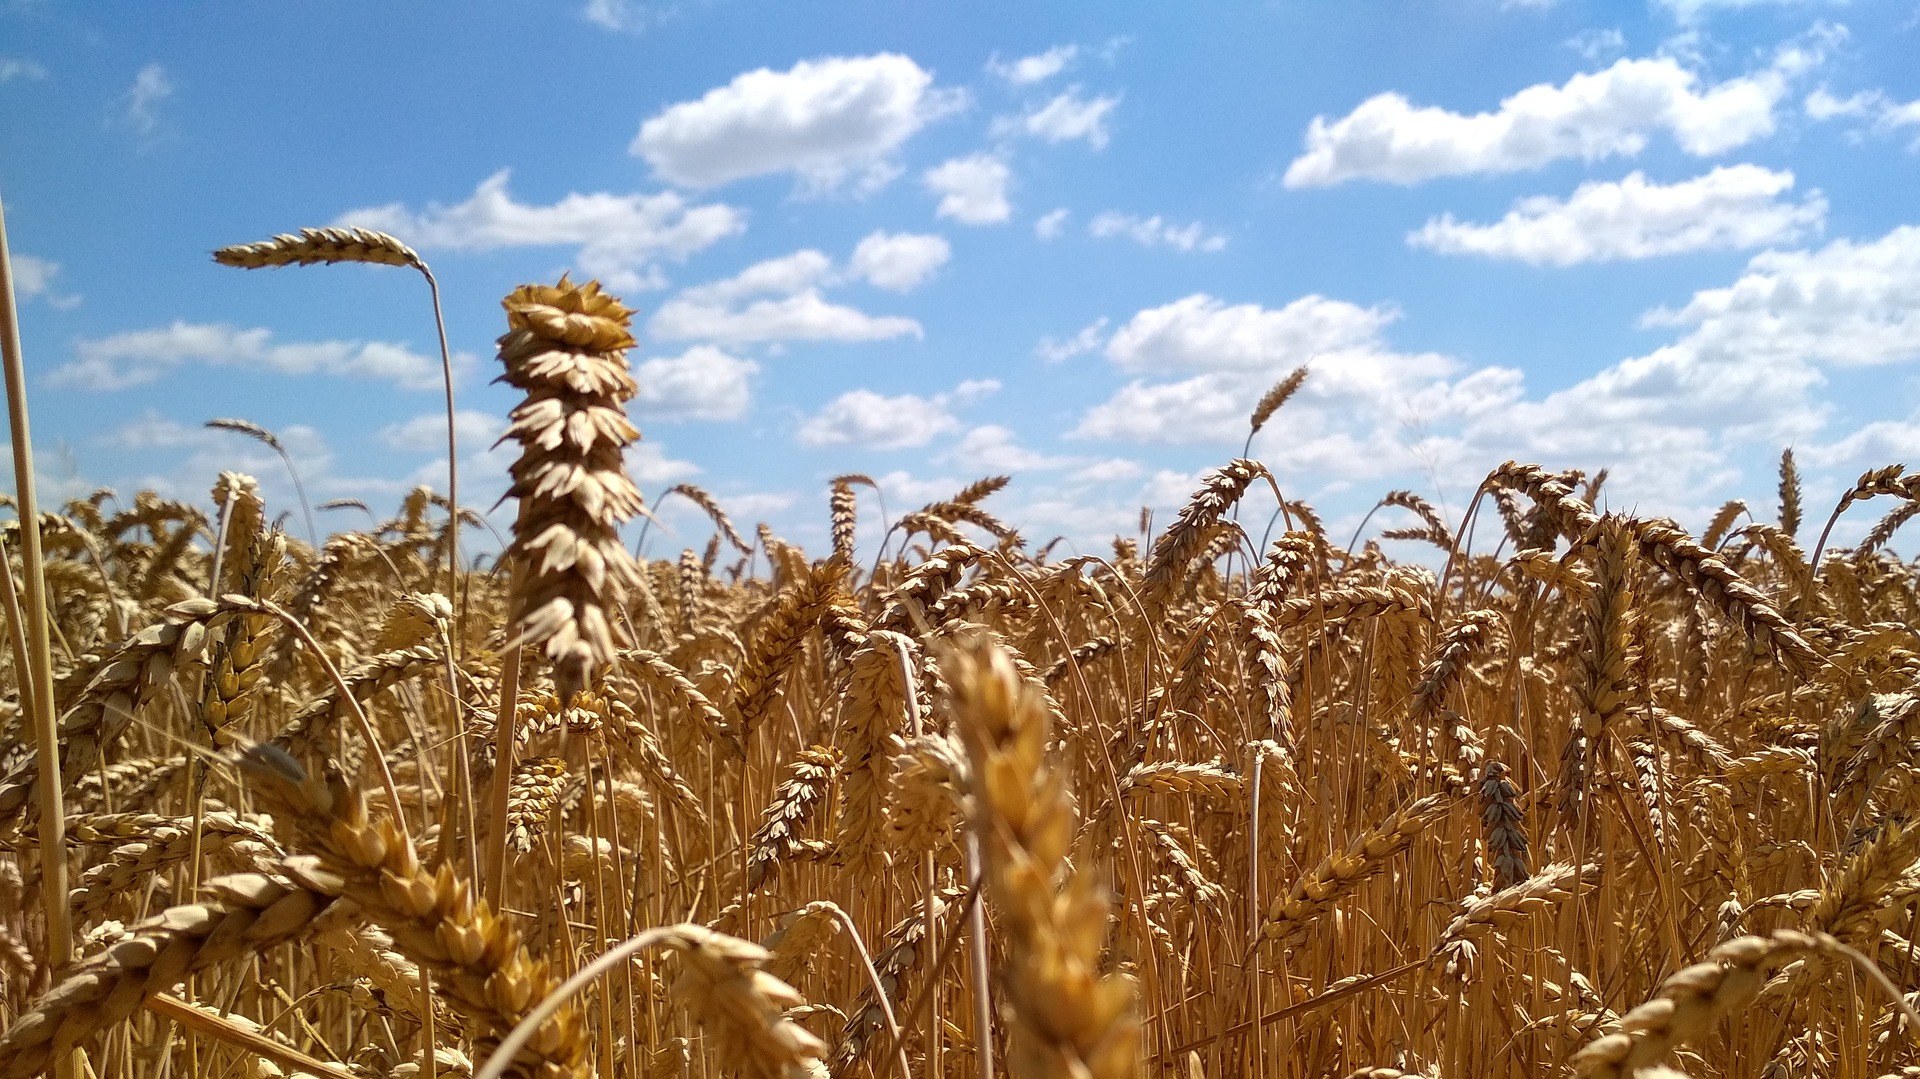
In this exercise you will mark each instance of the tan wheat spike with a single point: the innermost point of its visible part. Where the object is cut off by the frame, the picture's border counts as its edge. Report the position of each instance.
(1357, 602)
(1503, 822)
(248, 913)
(565, 348)
(1340, 873)
(929, 792)
(898, 966)
(778, 641)
(1691, 1000)
(1457, 647)
(1210, 780)
(306, 732)
(798, 936)
(1533, 895)
(699, 497)
(872, 709)
(131, 675)
(742, 1007)
(794, 802)
(532, 795)
(660, 674)
(1569, 515)
(1606, 660)
(925, 584)
(1174, 551)
(1290, 559)
(478, 960)
(1271, 401)
(222, 836)
(843, 512)
(321, 245)
(1669, 547)
(1068, 1019)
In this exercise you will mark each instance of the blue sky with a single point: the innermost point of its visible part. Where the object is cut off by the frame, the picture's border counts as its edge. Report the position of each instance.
(929, 242)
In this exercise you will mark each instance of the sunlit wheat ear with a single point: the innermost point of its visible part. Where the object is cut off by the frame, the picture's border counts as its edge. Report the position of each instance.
(271, 441)
(1068, 1020)
(320, 246)
(566, 348)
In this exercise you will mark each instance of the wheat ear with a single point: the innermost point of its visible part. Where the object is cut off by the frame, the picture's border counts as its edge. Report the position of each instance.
(478, 960)
(249, 912)
(1068, 1019)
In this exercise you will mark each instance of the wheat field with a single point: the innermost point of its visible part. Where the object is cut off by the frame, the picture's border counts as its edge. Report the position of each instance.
(1597, 796)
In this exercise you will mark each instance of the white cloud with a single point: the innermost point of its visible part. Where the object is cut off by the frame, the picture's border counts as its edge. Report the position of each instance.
(1688, 11)
(1155, 231)
(1067, 117)
(793, 308)
(865, 418)
(1352, 417)
(1596, 44)
(141, 103)
(33, 279)
(12, 68)
(1734, 207)
(1591, 116)
(972, 190)
(1027, 70)
(1090, 337)
(1883, 114)
(900, 261)
(702, 383)
(142, 356)
(805, 316)
(825, 120)
(180, 460)
(620, 15)
(1743, 370)
(992, 448)
(427, 432)
(648, 463)
(1050, 224)
(1107, 470)
(619, 236)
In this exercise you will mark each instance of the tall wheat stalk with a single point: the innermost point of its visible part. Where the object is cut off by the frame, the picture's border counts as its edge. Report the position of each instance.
(38, 692)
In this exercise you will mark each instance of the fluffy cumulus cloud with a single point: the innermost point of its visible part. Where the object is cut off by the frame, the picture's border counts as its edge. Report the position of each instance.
(900, 261)
(702, 383)
(1041, 66)
(1607, 113)
(619, 236)
(993, 448)
(1743, 374)
(33, 279)
(1730, 208)
(826, 121)
(1050, 225)
(1882, 114)
(972, 190)
(1156, 231)
(778, 299)
(1067, 117)
(178, 460)
(427, 432)
(877, 421)
(1349, 420)
(139, 357)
